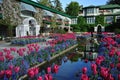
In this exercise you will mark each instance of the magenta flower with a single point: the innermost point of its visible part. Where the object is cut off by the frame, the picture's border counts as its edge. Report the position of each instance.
(48, 69)
(84, 70)
(2, 58)
(1, 53)
(36, 70)
(2, 73)
(17, 69)
(40, 78)
(84, 77)
(55, 68)
(31, 73)
(118, 66)
(8, 73)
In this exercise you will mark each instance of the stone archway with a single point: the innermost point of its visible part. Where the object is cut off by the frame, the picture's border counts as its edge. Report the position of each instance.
(29, 26)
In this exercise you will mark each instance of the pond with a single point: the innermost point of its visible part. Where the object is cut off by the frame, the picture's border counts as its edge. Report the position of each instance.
(70, 66)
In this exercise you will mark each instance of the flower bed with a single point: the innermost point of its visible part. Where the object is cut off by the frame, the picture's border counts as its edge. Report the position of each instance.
(26, 40)
(16, 62)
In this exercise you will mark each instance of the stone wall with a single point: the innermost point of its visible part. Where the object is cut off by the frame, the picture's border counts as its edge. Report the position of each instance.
(11, 11)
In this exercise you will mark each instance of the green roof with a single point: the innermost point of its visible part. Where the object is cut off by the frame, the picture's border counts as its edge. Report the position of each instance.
(35, 4)
(91, 6)
(111, 6)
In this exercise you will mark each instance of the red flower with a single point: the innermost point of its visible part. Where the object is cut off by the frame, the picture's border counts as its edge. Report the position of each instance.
(56, 68)
(112, 65)
(31, 73)
(1, 53)
(110, 77)
(36, 71)
(17, 69)
(95, 72)
(8, 73)
(118, 76)
(93, 66)
(84, 77)
(2, 73)
(2, 58)
(118, 66)
(40, 78)
(84, 70)
(11, 67)
(48, 69)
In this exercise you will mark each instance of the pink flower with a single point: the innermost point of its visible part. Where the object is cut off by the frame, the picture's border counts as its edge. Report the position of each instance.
(40, 78)
(118, 66)
(84, 77)
(9, 57)
(48, 69)
(110, 77)
(118, 76)
(31, 73)
(95, 72)
(2, 73)
(1, 53)
(2, 58)
(46, 77)
(93, 66)
(17, 69)
(118, 53)
(84, 70)
(56, 68)
(104, 72)
(36, 70)
(11, 67)
(8, 73)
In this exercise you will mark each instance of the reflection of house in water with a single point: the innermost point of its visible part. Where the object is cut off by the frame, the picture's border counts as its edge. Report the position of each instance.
(28, 16)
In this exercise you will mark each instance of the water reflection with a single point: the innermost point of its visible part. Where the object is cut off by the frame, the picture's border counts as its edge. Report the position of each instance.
(70, 66)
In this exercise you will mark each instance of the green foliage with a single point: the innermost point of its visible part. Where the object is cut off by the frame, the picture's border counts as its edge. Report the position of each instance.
(58, 5)
(75, 27)
(46, 3)
(113, 2)
(7, 22)
(117, 31)
(72, 9)
(61, 31)
(99, 20)
(82, 24)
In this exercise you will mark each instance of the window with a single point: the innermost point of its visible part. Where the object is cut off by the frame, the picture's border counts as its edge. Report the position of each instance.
(74, 21)
(118, 18)
(109, 19)
(90, 20)
(90, 11)
(27, 13)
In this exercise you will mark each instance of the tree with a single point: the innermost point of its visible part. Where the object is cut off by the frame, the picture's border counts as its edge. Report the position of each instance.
(82, 23)
(58, 5)
(73, 9)
(99, 20)
(46, 3)
(113, 2)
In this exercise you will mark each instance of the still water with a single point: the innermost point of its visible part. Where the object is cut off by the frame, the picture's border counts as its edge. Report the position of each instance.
(70, 67)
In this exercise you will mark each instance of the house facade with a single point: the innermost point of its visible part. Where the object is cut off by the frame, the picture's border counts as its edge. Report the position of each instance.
(30, 18)
(111, 13)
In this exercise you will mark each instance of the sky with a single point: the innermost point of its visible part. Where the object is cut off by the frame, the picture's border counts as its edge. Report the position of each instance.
(83, 2)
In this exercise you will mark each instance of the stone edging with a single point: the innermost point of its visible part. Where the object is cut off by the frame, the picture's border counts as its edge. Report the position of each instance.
(21, 78)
